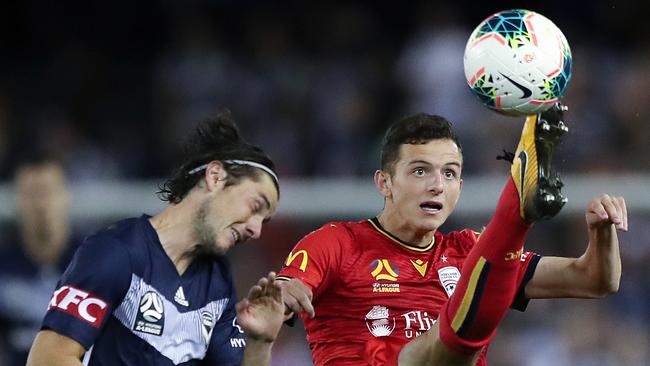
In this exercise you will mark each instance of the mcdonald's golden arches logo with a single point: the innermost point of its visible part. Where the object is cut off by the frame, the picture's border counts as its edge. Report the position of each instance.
(303, 263)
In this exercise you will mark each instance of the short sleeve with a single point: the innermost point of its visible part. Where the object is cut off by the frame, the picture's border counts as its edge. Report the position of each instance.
(93, 284)
(529, 261)
(317, 257)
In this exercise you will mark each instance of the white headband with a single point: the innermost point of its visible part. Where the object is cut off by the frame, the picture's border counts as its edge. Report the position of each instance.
(240, 162)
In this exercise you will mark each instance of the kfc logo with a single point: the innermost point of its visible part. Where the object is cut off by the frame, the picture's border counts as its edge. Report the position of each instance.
(80, 304)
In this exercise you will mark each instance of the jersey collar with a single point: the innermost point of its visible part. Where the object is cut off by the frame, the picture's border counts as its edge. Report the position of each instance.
(375, 223)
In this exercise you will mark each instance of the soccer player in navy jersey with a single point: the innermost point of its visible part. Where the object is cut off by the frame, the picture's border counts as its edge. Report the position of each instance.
(394, 290)
(158, 290)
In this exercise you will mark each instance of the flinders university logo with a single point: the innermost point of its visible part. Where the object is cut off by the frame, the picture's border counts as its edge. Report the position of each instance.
(449, 277)
(151, 314)
(378, 322)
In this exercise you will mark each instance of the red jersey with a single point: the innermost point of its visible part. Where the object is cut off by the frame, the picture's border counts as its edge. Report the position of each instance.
(373, 292)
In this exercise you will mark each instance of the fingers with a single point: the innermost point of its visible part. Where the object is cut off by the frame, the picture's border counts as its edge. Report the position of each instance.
(266, 286)
(616, 210)
(610, 210)
(297, 297)
(623, 211)
(302, 303)
(272, 289)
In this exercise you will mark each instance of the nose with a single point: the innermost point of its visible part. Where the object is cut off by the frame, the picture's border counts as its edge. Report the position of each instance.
(254, 227)
(436, 183)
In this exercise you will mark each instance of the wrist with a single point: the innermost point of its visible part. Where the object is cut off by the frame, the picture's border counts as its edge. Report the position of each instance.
(259, 340)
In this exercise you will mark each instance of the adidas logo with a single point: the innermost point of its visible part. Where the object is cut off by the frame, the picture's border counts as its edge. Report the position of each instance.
(180, 297)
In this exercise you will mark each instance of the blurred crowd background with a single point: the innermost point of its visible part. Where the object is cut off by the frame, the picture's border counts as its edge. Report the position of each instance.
(108, 88)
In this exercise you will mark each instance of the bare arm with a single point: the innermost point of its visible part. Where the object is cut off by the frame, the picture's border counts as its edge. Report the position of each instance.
(428, 349)
(261, 315)
(52, 349)
(598, 271)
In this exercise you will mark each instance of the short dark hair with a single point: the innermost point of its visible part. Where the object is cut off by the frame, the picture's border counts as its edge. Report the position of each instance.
(419, 128)
(216, 138)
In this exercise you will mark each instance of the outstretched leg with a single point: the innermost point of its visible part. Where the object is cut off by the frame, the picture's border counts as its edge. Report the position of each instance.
(488, 279)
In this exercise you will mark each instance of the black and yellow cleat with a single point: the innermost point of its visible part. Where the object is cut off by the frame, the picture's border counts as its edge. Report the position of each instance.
(538, 185)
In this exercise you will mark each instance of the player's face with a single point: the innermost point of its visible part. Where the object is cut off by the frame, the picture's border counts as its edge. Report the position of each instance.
(235, 214)
(43, 200)
(425, 185)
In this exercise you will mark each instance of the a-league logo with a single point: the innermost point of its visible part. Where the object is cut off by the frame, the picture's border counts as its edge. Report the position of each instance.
(151, 314)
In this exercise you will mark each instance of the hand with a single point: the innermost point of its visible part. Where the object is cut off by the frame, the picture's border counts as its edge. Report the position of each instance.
(297, 297)
(261, 313)
(605, 210)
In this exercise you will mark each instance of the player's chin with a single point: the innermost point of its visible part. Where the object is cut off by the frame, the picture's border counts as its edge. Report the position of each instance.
(221, 247)
(433, 219)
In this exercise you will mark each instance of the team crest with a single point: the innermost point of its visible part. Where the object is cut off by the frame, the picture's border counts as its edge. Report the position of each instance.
(449, 277)
(207, 322)
(151, 314)
(378, 322)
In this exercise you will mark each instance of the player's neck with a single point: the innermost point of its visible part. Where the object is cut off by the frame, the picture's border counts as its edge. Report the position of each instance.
(174, 228)
(405, 230)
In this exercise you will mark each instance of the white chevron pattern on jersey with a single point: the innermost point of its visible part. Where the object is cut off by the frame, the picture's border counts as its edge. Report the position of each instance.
(183, 337)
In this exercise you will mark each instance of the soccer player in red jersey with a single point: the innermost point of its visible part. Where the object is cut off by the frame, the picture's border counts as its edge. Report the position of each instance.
(395, 287)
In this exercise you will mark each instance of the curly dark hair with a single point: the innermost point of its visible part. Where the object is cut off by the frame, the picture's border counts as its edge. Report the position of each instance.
(216, 138)
(419, 128)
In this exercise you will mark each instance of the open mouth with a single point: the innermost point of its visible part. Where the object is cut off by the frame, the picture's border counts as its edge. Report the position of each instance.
(431, 207)
(236, 236)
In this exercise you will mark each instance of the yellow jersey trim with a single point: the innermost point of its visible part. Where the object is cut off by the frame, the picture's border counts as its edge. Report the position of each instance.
(375, 223)
(463, 309)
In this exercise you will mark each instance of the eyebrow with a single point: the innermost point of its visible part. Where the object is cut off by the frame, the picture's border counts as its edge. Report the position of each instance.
(455, 163)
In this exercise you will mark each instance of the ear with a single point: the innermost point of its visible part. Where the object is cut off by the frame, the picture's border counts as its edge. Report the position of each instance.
(383, 183)
(215, 175)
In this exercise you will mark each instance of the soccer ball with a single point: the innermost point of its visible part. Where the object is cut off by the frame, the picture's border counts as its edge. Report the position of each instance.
(517, 62)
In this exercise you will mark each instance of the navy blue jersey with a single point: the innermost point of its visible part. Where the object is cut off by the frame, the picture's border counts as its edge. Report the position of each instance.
(25, 289)
(122, 296)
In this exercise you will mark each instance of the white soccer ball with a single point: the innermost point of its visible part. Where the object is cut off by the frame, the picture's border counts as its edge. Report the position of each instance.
(517, 62)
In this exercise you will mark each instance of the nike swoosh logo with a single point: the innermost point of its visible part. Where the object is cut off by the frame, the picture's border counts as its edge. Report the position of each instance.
(527, 92)
(523, 157)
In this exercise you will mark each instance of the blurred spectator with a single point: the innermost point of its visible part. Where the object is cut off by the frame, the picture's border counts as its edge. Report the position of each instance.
(32, 262)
